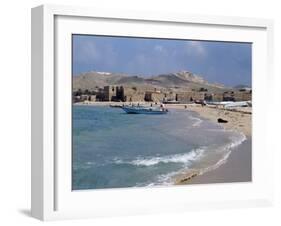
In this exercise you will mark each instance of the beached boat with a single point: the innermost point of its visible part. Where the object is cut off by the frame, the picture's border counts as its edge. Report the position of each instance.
(116, 105)
(231, 104)
(171, 102)
(144, 110)
(238, 104)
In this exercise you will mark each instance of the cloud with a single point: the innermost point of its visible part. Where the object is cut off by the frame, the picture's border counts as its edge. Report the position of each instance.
(196, 48)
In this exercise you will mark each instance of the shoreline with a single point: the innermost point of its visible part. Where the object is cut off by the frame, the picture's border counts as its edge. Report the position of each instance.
(237, 166)
(239, 119)
(108, 103)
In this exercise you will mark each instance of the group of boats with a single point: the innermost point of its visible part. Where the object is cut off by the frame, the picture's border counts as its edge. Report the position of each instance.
(161, 109)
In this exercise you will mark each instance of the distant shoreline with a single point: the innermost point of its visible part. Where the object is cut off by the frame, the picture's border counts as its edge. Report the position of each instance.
(107, 103)
(239, 119)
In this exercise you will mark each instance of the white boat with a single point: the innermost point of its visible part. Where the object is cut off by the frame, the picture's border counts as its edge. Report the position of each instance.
(237, 104)
(116, 105)
(231, 104)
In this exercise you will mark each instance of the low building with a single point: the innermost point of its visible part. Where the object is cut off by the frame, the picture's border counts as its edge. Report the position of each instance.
(213, 96)
(217, 97)
(109, 93)
(76, 99)
(84, 97)
(228, 96)
(154, 96)
(131, 94)
(92, 98)
(169, 96)
(100, 95)
(243, 95)
(189, 96)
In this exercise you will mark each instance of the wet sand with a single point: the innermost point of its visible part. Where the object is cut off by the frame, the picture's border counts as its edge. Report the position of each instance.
(238, 166)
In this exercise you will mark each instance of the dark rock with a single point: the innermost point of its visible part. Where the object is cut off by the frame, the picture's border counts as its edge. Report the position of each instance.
(220, 120)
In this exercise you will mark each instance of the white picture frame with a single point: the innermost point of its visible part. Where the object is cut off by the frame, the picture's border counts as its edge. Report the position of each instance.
(52, 197)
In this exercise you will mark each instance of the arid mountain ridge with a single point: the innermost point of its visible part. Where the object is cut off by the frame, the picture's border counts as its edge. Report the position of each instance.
(182, 80)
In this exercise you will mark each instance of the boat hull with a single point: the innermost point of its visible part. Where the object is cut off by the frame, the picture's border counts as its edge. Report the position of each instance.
(131, 110)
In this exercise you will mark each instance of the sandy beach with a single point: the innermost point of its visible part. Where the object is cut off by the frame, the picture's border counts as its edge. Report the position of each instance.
(237, 167)
(239, 119)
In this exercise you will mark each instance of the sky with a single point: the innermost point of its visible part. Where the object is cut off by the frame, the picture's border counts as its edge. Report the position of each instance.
(228, 63)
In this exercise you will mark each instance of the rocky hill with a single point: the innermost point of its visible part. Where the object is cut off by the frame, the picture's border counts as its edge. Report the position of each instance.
(181, 80)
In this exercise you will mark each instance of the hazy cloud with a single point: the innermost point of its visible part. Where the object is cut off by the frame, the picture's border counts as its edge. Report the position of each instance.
(196, 48)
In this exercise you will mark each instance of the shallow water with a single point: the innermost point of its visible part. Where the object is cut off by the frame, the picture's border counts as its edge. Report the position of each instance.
(112, 149)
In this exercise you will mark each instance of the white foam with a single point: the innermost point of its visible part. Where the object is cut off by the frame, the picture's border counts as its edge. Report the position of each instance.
(236, 141)
(177, 158)
(166, 179)
(186, 159)
(197, 122)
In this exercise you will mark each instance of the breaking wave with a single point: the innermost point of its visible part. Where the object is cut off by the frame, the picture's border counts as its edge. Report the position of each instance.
(166, 179)
(228, 148)
(185, 158)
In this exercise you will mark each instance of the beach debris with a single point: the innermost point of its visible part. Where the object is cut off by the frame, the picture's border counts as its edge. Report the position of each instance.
(184, 178)
(187, 178)
(220, 120)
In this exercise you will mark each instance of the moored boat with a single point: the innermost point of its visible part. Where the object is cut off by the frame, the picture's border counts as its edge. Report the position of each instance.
(145, 110)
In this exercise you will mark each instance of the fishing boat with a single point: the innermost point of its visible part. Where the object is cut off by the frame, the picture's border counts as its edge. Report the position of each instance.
(145, 110)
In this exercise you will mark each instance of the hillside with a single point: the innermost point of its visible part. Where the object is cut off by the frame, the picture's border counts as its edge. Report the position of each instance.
(183, 80)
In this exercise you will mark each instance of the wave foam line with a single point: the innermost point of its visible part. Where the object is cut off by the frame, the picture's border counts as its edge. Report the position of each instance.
(197, 122)
(228, 148)
(177, 158)
(236, 141)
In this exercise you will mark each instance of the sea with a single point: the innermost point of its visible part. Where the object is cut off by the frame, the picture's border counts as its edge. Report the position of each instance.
(112, 149)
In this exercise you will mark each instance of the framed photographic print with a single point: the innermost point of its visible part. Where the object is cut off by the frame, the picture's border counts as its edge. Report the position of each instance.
(137, 112)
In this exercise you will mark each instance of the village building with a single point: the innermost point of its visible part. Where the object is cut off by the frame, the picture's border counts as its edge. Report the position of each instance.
(154, 96)
(140, 94)
(109, 93)
(133, 94)
(243, 95)
(92, 98)
(213, 96)
(240, 95)
(189, 96)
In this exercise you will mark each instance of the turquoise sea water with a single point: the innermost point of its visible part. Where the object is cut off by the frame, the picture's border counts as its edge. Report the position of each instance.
(112, 149)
